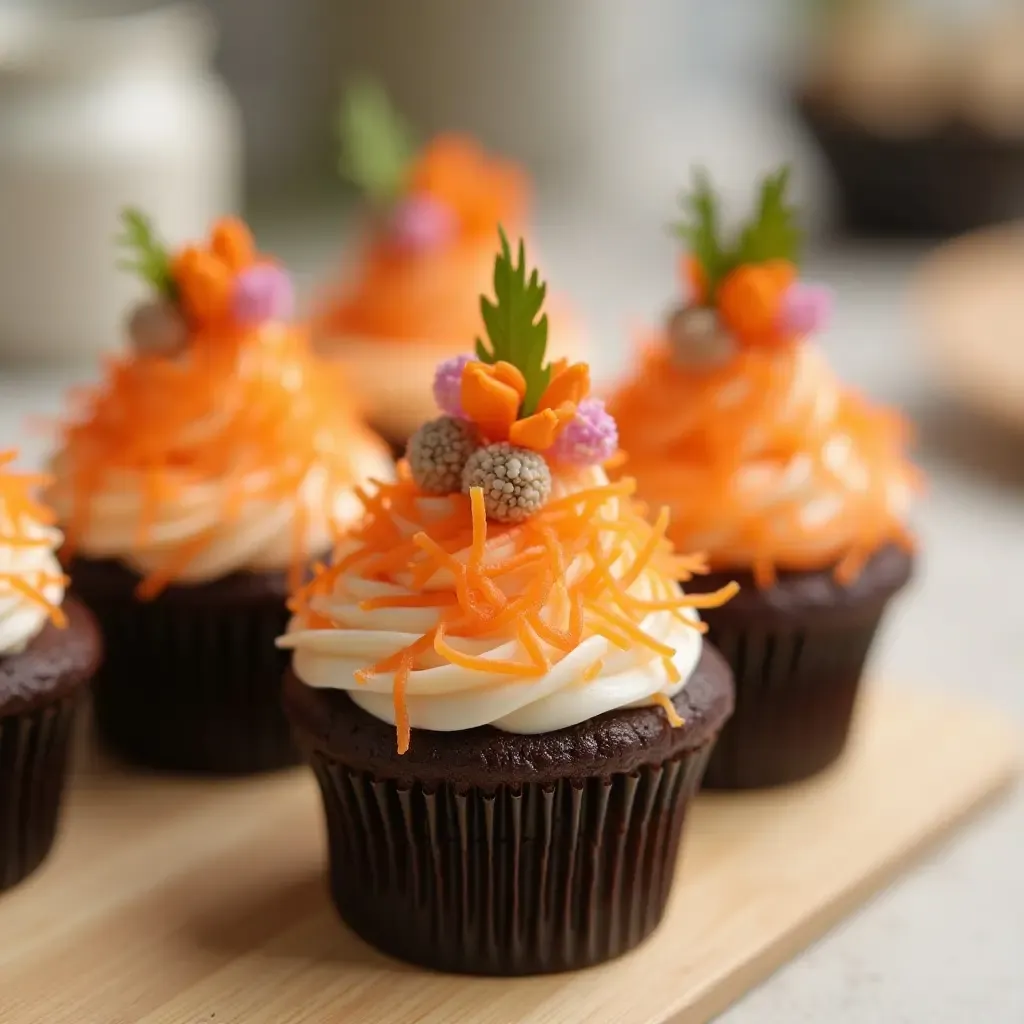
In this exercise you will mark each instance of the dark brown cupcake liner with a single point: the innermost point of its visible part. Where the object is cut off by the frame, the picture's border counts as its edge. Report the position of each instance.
(192, 678)
(797, 652)
(34, 751)
(520, 879)
(795, 695)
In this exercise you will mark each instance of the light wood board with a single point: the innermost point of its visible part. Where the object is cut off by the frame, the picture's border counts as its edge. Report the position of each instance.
(178, 902)
(969, 306)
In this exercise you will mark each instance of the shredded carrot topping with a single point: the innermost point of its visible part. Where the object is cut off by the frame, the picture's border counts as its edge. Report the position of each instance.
(250, 410)
(19, 511)
(562, 576)
(698, 438)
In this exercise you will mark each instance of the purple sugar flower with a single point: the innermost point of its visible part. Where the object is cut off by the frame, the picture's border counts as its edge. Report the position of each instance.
(448, 385)
(806, 309)
(263, 292)
(421, 223)
(590, 439)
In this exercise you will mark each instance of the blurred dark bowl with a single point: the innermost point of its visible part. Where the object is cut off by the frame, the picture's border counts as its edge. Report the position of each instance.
(952, 181)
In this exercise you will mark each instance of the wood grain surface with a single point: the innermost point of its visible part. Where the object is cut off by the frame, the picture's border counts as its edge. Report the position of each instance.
(179, 902)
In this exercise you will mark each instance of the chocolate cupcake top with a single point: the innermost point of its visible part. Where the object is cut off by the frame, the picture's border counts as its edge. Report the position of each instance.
(31, 581)
(218, 443)
(734, 420)
(410, 294)
(503, 580)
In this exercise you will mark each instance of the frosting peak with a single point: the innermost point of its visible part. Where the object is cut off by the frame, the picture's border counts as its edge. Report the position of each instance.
(31, 581)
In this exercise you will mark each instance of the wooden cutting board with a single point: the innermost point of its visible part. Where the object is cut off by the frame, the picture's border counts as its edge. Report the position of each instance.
(179, 902)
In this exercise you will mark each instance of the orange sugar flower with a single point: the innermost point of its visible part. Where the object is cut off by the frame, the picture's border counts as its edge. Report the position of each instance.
(491, 395)
(232, 242)
(204, 281)
(569, 383)
(750, 300)
(480, 190)
(540, 431)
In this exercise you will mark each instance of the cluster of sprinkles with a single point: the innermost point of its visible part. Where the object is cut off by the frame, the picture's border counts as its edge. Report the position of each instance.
(501, 556)
(219, 388)
(723, 370)
(20, 517)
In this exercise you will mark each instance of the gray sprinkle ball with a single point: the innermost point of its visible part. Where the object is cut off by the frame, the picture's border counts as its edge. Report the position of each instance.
(437, 453)
(158, 328)
(516, 481)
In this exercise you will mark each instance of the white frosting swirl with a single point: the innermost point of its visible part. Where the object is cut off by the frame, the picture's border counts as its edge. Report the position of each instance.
(445, 697)
(21, 617)
(259, 536)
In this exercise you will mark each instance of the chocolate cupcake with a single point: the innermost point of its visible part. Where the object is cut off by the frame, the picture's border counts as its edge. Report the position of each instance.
(49, 649)
(409, 296)
(794, 486)
(210, 464)
(510, 618)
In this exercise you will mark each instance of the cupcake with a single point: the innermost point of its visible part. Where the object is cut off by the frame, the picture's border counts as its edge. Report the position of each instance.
(500, 684)
(792, 484)
(411, 296)
(210, 463)
(49, 650)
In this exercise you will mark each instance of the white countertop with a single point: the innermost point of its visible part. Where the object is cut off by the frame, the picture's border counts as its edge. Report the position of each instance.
(945, 944)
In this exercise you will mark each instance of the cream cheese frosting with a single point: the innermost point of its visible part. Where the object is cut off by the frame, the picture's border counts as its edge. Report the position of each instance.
(31, 580)
(594, 677)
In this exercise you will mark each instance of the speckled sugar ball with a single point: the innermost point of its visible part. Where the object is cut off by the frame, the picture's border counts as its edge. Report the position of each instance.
(516, 481)
(697, 338)
(437, 453)
(158, 328)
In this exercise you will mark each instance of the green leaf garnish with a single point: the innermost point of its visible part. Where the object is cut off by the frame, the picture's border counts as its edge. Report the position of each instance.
(148, 257)
(514, 333)
(771, 234)
(376, 144)
(700, 231)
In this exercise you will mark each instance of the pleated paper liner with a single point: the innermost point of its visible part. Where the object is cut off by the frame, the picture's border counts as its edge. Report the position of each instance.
(524, 879)
(34, 748)
(795, 696)
(797, 654)
(192, 679)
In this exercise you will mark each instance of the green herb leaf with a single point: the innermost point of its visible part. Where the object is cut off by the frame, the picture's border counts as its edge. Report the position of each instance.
(700, 231)
(148, 257)
(517, 329)
(773, 233)
(376, 144)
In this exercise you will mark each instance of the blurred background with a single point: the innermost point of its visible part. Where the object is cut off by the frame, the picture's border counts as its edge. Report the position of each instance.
(904, 123)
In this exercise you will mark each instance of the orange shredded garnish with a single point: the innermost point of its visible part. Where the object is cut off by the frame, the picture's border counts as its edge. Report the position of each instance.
(552, 587)
(253, 408)
(19, 512)
(665, 703)
(700, 440)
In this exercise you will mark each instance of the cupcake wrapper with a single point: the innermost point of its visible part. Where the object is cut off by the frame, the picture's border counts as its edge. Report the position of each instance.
(193, 688)
(517, 880)
(795, 695)
(34, 748)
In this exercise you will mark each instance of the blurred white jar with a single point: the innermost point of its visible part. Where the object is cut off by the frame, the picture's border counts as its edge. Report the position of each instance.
(102, 104)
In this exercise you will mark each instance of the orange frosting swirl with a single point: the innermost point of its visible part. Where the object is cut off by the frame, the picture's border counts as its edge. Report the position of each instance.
(765, 462)
(243, 437)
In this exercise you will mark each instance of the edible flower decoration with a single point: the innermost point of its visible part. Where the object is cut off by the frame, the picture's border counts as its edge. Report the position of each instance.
(510, 414)
(222, 285)
(428, 198)
(746, 293)
(25, 523)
